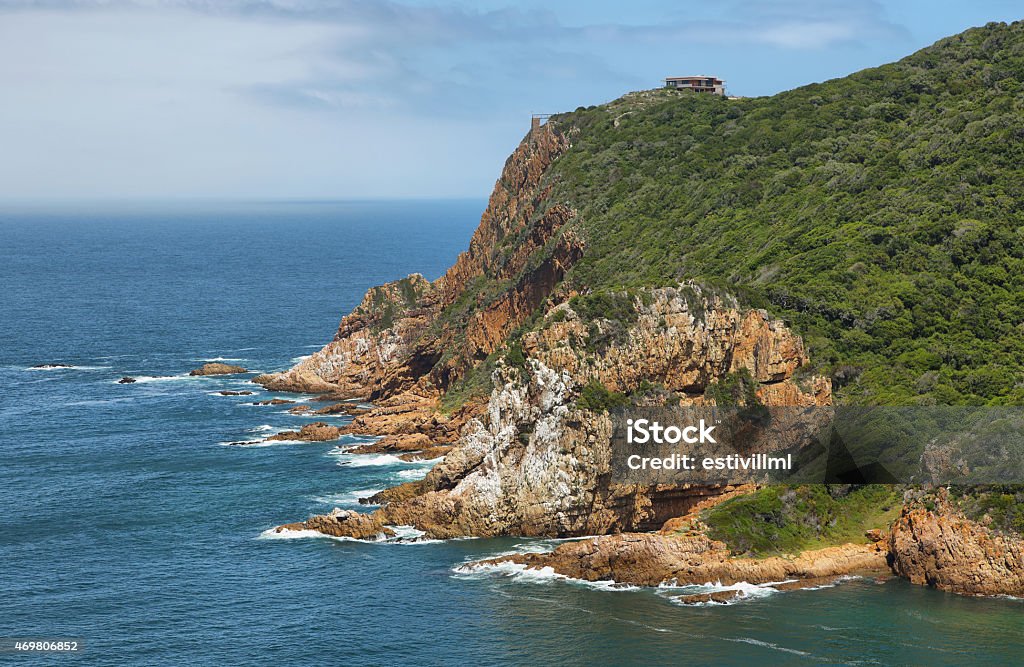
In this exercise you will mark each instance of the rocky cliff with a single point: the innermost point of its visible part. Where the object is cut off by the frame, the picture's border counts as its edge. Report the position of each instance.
(933, 544)
(419, 336)
(527, 459)
(533, 462)
(505, 364)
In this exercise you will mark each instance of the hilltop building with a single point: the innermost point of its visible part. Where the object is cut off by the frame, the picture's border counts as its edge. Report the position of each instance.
(698, 83)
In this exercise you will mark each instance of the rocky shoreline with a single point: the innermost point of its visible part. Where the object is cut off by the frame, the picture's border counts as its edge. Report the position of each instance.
(505, 371)
(653, 559)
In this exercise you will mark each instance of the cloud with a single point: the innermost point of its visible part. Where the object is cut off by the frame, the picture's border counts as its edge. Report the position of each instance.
(784, 24)
(289, 96)
(352, 55)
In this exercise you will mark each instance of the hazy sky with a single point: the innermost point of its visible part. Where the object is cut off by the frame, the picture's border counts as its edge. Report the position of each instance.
(349, 99)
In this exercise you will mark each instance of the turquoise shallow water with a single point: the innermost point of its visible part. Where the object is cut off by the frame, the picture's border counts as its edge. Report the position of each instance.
(127, 523)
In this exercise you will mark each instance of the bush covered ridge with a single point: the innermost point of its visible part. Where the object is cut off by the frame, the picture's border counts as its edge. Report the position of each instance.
(882, 214)
(787, 520)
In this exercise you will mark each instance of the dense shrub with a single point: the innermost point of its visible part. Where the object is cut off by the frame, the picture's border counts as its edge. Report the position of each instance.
(880, 214)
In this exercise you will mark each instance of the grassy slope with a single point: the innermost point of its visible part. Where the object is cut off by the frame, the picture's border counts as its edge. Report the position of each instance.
(784, 520)
(882, 214)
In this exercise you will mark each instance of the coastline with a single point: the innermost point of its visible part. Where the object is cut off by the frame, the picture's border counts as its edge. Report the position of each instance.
(530, 457)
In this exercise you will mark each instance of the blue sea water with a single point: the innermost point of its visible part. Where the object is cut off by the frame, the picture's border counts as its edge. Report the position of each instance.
(126, 522)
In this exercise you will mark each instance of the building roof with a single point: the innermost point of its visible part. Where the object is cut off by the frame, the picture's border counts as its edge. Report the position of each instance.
(693, 76)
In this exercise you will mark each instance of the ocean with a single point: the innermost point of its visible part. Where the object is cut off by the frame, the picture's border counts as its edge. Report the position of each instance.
(129, 524)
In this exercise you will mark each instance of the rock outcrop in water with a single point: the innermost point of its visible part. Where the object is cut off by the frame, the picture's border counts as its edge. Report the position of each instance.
(933, 544)
(343, 523)
(217, 368)
(315, 432)
(651, 559)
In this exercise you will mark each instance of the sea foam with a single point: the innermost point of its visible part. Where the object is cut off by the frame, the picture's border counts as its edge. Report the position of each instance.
(347, 498)
(304, 534)
(364, 460)
(68, 367)
(543, 575)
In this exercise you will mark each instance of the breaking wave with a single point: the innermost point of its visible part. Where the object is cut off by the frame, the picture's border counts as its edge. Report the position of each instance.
(403, 535)
(143, 379)
(544, 575)
(274, 534)
(364, 460)
(66, 367)
(758, 642)
(348, 498)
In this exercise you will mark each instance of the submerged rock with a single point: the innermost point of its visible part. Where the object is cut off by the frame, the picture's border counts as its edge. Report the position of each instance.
(47, 366)
(127, 379)
(343, 523)
(274, 401)
(217, 368)
(720, 597)
(235, 393)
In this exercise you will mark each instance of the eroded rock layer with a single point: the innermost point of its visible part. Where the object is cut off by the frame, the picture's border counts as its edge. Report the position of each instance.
(934, 545)
(532, 462)
(417, 335)
(650, 559)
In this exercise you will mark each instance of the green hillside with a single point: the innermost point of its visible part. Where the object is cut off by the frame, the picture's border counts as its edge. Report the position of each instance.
(881, 214)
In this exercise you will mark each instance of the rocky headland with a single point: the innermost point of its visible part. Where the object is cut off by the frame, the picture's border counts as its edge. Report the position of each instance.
(506, 366)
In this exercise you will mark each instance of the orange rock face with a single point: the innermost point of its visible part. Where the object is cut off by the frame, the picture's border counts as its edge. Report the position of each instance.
(418, 336)
(315, 432)
(526, 460)
(650, 559)
(941, 548)
(532, 463)
(685, 350)
(343, 523)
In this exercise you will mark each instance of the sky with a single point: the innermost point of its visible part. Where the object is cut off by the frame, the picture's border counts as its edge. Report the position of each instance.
(348, 99)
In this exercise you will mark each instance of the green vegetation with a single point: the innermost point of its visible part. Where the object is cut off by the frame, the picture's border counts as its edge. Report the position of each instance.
(608, 305)
(734, 389)
(476, 384)
(409, 293)
(1002, 504)
(609, 315)
(880, 214)
(514, 356)
(595, 396)
(786, 520)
